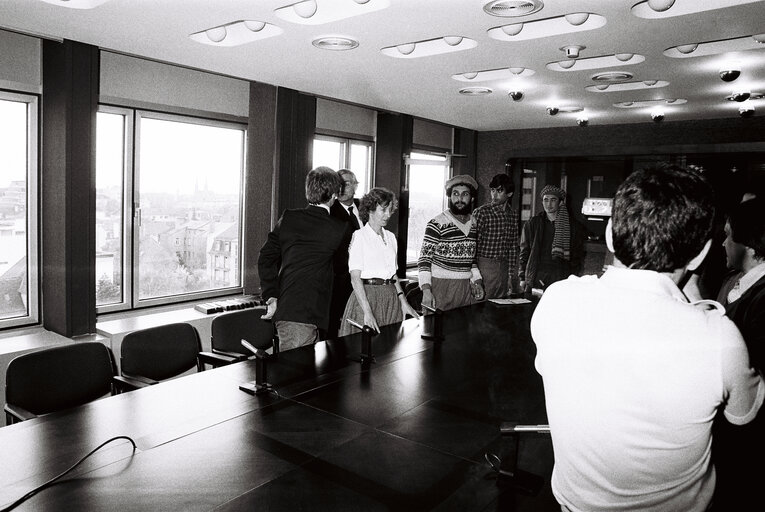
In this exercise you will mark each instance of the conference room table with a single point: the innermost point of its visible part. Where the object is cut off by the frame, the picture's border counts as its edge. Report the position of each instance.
(408, 430)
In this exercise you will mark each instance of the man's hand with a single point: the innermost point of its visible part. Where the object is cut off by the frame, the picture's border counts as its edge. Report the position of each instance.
(522, 286)
(271, 303)
(476, 288)
(427, 298)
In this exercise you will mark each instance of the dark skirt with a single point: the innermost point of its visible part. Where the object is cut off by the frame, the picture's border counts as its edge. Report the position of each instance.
(385, 307)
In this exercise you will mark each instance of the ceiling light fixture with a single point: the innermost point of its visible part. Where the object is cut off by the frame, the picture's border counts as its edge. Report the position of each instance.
(317, 12)
(729, 75)
(572, 50)
(651, 103)
(216, 34)
(305, 9)
(627, 86)
(335, 43)
(745, 95)
(612, 76)
(657, 115)
(566, 64)
(657, 9)
(577, 18)
(759, 38)
(77, 4)
(660, 5)
(624, 57)
(746, 111)
(553, 111)
(516, 95)
(475, 91)
(513, 8)
(582, 121)
(548, 27)
(236, 33)
(493, 74)
(603, 61)
(429, 47)
(703, 49)
(687, 48)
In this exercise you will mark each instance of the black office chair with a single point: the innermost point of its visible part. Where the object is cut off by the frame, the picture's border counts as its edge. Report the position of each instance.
(151, 355)
(58, 378)
(229, 329)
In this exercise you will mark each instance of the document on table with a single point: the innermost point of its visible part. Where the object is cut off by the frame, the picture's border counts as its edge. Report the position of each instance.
(510, 301)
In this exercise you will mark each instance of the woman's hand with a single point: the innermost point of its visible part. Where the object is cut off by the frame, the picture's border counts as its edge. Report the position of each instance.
(407, 309)
(369, 319)
(427, 298)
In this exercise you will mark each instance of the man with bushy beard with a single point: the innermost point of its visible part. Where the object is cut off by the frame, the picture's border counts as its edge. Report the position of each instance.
(448, 269)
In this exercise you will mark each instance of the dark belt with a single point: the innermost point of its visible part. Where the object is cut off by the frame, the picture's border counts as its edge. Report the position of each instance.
(377, 281)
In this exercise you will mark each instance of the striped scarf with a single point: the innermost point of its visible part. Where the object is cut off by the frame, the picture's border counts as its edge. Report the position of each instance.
(561, 246)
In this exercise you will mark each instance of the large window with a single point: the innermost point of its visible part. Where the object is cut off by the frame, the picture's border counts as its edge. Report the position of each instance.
(18, 209)
(338, 153)
(426, 175)
(169, 219)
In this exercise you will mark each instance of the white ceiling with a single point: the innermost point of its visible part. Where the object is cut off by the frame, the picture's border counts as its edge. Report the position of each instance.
(424, 87)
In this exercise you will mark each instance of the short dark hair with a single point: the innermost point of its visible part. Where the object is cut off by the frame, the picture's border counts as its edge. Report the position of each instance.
(378, 196)
(662, 217)
(321, 183)
(502, 181)
(747, 225)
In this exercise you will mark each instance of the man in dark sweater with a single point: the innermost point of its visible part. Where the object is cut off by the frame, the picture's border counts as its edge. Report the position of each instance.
(295, 263)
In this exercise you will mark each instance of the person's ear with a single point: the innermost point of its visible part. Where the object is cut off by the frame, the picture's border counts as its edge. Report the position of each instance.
(699, 258)
(610, 235)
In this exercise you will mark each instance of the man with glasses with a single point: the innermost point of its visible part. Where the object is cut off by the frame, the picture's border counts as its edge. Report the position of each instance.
(345, 209)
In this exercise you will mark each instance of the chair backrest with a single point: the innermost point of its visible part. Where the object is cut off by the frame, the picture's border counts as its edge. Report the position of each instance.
(229, 329)
(161, 352)
(58, 378)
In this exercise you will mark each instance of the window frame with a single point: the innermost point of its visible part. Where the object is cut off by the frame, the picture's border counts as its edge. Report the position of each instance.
(127, 208)
(132, 209)
(345, 158)
(448, 173)
(32, 209)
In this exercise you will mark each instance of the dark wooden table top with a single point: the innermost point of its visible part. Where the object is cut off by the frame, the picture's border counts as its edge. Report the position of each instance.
(407, 432)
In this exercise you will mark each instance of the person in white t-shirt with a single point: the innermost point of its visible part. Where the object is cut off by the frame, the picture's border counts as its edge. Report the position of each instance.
(377, 297)
(634, 373)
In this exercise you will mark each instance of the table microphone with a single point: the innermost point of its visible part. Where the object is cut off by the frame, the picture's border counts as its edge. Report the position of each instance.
(261, 385)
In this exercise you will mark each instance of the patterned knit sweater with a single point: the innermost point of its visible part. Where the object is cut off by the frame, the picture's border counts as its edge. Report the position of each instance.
(448, 250)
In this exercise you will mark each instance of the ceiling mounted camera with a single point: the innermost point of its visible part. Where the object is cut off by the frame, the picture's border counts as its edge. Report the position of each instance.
(747, 111)
(516, 95)
(729, 75)
(553, 110)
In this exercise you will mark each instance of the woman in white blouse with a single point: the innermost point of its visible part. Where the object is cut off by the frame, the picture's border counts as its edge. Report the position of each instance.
(377, 297)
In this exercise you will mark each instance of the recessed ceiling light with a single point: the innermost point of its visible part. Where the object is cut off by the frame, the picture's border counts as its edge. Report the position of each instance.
(745, 95)
(736, 44)
(429, 47)
(612, 76)
(569, 109)
(317, 12)
(566, 24)
(475, 91)
(335, 43)
(655, 9)
(492, 74)
(236, 33)
(77, 4)
(604, 61)
(650, 103)
(512, 8)
(627, 86)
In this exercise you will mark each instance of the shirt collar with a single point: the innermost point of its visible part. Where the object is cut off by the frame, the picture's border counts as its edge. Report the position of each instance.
(646, 280)
(751, 277)
(321, 205)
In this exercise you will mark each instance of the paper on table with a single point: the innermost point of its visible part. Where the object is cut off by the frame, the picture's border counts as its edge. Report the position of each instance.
(510, 301)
